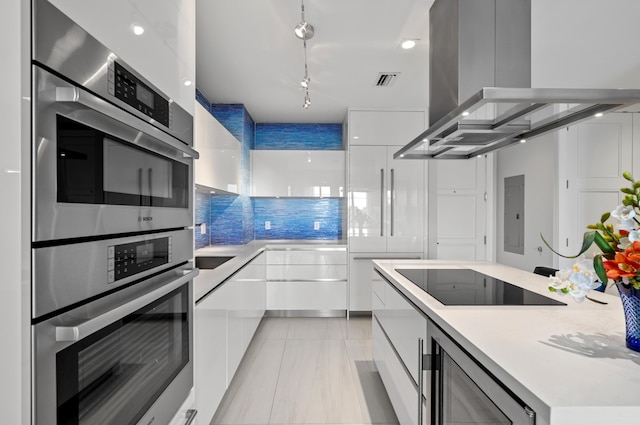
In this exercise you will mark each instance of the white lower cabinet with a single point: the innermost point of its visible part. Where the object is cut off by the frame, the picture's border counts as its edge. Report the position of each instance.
(225, 322)
(361, 272)
(310, 279)
(397, 328)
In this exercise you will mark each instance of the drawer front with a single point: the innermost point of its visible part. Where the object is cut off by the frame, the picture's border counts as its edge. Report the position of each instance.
(307, 257)
(404, 325)
(307, 295)
(306, 272)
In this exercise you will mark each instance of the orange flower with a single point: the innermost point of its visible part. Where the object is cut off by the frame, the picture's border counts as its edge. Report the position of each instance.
(625, 264)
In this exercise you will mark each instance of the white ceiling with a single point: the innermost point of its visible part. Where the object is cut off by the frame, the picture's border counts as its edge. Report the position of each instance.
(246, 53)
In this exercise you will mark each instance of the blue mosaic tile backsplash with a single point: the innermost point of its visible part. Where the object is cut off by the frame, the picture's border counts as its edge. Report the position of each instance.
(298, 136)
(294, 218)
(233, 219)
(202, 215)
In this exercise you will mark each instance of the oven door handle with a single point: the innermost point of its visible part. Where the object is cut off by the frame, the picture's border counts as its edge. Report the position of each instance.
(76, 333)
(81, 97)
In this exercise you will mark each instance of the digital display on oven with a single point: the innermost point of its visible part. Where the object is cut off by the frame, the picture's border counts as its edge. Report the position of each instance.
(129, 259)
(143, 95)
(144, 253)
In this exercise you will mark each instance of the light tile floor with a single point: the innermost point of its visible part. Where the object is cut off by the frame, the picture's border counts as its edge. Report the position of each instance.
(307, 371)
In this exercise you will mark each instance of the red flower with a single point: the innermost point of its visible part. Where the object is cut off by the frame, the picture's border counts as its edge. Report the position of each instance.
(625, 264)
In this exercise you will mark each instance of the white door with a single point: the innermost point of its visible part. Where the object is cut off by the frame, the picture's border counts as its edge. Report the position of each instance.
(405, 191)
(460, 210)
(367, 168)
(594, 156)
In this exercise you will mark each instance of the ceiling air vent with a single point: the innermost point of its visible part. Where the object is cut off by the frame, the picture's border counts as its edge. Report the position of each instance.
(386, 79)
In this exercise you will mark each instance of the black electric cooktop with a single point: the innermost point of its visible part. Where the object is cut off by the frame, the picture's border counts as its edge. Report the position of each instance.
(469, 287)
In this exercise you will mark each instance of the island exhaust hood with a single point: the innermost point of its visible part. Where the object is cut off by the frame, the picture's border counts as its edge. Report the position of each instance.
(480, 51)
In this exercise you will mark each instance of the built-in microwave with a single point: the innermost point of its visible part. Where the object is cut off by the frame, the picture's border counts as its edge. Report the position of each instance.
(99, 170)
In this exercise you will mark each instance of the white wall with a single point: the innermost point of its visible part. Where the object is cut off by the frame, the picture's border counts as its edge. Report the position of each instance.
(574, 44)
(14, 214)
(534, 159)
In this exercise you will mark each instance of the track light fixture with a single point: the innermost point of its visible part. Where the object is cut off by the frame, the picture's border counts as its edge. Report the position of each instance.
(304, 31)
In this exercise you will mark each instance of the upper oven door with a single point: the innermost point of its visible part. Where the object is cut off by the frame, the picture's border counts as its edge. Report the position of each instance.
(100, 170)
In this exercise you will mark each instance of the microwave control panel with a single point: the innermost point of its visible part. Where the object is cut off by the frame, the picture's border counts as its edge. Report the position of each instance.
(129, 259)
(131, 90)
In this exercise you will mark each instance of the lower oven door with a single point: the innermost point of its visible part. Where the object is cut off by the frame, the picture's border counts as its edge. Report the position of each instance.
(131, 364)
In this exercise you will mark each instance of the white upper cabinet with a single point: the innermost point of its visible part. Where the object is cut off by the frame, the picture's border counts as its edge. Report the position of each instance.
(316, 173)
(219, 165)
(385, 128)
(164, 53)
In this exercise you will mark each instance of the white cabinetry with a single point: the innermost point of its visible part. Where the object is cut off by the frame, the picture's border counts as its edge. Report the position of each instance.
(386, 197)
(397, 329)
(316, 173)
(225, 321)
(220, 153)
(312, 280)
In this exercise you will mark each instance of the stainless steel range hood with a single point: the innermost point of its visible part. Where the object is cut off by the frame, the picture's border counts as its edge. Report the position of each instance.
(495, 118)
(481, 53)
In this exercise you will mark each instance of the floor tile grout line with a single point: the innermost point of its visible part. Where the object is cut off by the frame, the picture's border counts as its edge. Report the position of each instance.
(275, 390)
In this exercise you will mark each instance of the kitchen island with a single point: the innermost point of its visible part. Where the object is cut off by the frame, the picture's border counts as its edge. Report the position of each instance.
(567, 363)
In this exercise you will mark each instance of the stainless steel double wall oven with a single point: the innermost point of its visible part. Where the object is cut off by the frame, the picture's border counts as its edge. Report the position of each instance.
(112, 238)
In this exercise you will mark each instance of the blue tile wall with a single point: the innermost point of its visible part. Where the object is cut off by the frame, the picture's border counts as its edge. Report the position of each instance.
(233, 219)
(202, 215)
(231, 116)
(226, 220)
(298, 136)
(293, 218)
(203, 100)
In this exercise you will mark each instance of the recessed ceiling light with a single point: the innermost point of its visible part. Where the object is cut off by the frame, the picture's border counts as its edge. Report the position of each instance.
(356, 137)
(599, 114)
(137, 29)
(465, 113)
(408, 44)
(523, 140)
(187, 82)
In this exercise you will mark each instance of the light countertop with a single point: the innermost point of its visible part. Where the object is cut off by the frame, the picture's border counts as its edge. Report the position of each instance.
(569, 363)
(208, 280)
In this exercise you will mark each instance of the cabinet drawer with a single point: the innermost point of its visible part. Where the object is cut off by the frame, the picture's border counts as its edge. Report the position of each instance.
(306, 295)
(402, 390)
(404, 325)
(320, 257)
(306, 272)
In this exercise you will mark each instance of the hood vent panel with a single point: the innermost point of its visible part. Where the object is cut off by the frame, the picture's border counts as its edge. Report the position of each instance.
(386, 79)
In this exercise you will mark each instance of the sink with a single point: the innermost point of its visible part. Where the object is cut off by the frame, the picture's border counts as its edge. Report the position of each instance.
(211, 262)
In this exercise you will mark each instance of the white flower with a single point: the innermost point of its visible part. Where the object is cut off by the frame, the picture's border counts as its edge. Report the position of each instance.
(626, 215)
(624, 243)
(624, 212)
(634, 235)
(576, 281)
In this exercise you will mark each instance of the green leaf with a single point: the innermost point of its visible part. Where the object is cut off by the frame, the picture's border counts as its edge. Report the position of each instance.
(602, 244)
(599, 268)
(636, 185)
(627, 191)
(627, 176)
(587, 241)
(605, 217)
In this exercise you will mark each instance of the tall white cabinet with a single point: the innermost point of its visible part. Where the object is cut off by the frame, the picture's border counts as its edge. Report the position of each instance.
(386, 196)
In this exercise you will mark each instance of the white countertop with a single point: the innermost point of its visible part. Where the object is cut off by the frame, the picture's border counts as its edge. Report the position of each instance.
(569, 363)
(208, 280)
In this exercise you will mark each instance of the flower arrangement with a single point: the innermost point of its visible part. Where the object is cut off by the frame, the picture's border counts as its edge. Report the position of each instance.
(619, 245)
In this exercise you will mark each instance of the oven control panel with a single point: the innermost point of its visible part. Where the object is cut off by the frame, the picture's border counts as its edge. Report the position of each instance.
(132, 91)
(131, 258)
